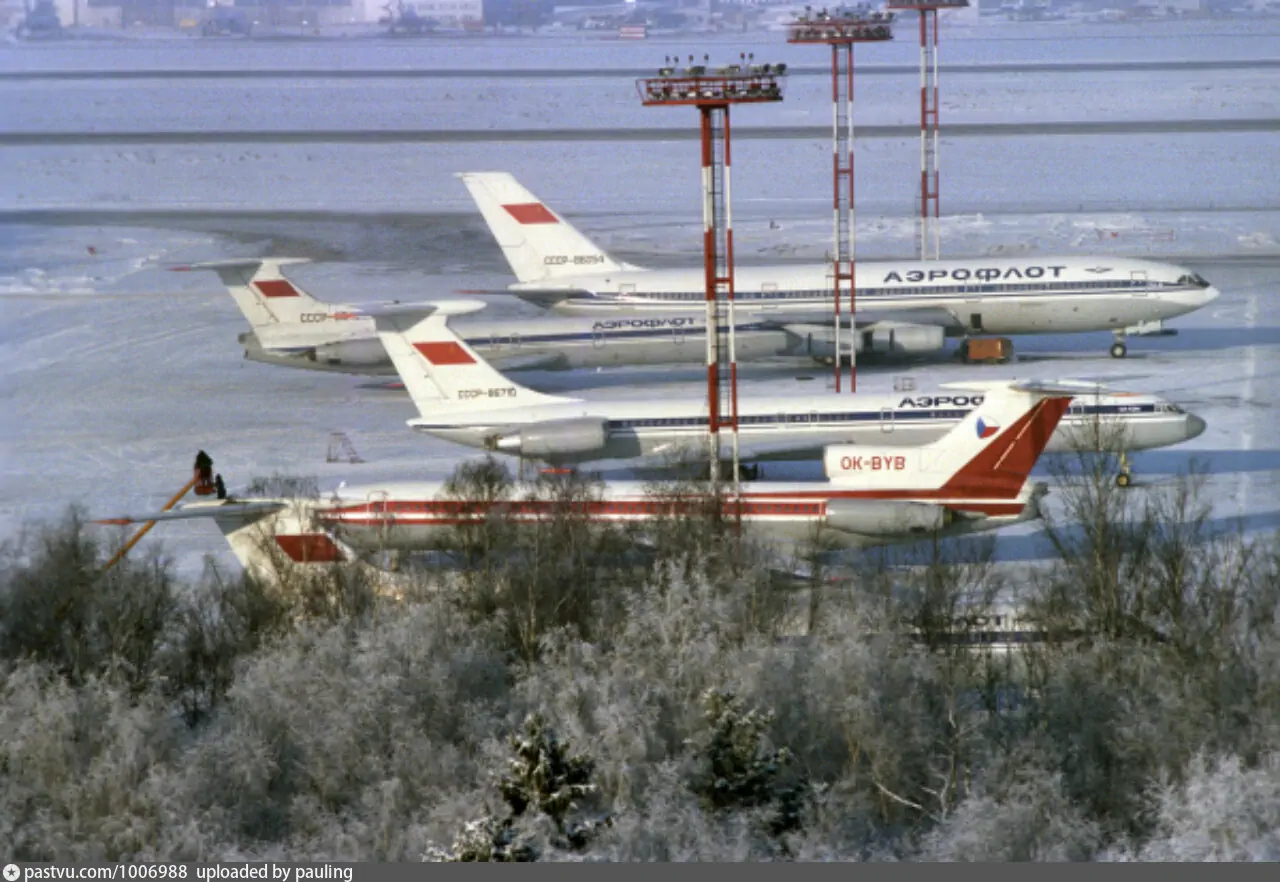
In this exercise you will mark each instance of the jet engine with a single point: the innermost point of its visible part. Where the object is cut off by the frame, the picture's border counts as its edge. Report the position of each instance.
(555, 438)
(882, 338)
(878, 517)
(353, 353)
(888, 337)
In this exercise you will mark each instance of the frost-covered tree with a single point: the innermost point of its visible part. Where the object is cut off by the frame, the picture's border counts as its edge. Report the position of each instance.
(737, 768)
(1224, 811)
(543, 778)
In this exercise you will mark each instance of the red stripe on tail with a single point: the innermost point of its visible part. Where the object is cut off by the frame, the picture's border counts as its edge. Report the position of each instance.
(310, 548)
(1001, 468)
(444, 353)
(276, 288)
(531, 213)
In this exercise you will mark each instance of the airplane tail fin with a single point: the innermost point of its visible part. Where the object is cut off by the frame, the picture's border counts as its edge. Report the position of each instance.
(276, 540)
(988, 455)
(538, 243)
(263, 294)
(438, 368)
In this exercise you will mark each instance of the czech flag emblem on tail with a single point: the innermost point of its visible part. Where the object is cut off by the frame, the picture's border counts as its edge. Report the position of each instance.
(986, 428)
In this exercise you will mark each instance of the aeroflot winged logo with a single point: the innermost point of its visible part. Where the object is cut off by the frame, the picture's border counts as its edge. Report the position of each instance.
(987, 428)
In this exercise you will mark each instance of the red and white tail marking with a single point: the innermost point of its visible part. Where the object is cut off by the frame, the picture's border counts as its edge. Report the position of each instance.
(536, 241)
(276, 288)
(988, 455)
(310, 548)
(531, 213)
(270, 537)
(442, 372)
(443, 354)
(271, 303)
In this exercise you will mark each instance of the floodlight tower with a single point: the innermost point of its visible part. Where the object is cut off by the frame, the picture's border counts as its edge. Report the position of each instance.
(928, 11)
(841, 30)
(712, 93)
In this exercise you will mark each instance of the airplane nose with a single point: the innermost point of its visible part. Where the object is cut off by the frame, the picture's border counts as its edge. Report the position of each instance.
(1211, 294)
(1195, 426)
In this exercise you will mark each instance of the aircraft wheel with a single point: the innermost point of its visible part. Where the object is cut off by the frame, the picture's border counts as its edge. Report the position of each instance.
(1124, 479)
(1119, 350)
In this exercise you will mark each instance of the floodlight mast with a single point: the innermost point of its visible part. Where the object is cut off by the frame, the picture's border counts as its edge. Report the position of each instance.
(929, 231)
(840, 30)
(712, 93)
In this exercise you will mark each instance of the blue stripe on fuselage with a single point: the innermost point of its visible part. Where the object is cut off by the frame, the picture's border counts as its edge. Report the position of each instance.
(612, 334)
(822, 419)
(948, 292)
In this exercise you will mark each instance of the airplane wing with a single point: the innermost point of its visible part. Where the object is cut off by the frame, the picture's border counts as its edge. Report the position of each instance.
(530, 362)
(926, 315)
(1042, 387)
(543, 297)
(395, 308)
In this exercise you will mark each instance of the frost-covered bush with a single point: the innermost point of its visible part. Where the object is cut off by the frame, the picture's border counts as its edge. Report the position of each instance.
(1224, 811)
(88, 772)
(1025, 818)
(361, 745)
(150, 720)
(59, 606)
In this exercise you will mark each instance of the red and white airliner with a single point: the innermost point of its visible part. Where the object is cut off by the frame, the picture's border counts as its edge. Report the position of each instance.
(975, 478)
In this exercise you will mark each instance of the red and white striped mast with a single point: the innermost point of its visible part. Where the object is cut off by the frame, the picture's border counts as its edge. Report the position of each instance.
(712, 93)
(929, 232)
(841, 30)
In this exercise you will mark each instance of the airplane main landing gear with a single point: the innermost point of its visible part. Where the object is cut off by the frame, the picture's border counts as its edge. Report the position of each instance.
(746, 471)
(1119, 349)
(1124, 478)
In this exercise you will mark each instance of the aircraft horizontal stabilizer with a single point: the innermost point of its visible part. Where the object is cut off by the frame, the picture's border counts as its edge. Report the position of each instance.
(222, 509)
(237, 263)
(395, 309)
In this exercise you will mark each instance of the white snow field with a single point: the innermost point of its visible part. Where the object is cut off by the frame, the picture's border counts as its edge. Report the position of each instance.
(115, 372)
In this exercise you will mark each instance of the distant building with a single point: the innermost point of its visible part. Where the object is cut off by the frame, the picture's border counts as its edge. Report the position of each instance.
(452, 13)
(170, 13)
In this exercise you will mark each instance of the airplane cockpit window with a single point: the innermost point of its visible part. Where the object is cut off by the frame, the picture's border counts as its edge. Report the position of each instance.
(1193, 279)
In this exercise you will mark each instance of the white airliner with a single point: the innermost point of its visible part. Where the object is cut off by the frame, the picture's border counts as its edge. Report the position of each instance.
(292, 328)
(463, 399)
(974, 478)
(899, 303)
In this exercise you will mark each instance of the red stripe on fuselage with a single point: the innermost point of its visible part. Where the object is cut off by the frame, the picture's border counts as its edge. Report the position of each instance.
(448, 512)
(444, 353)
(276, 288)
(531, 213)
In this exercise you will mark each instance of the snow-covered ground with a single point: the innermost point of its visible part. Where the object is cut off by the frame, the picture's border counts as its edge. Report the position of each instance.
(195, 105)
(115, 372)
